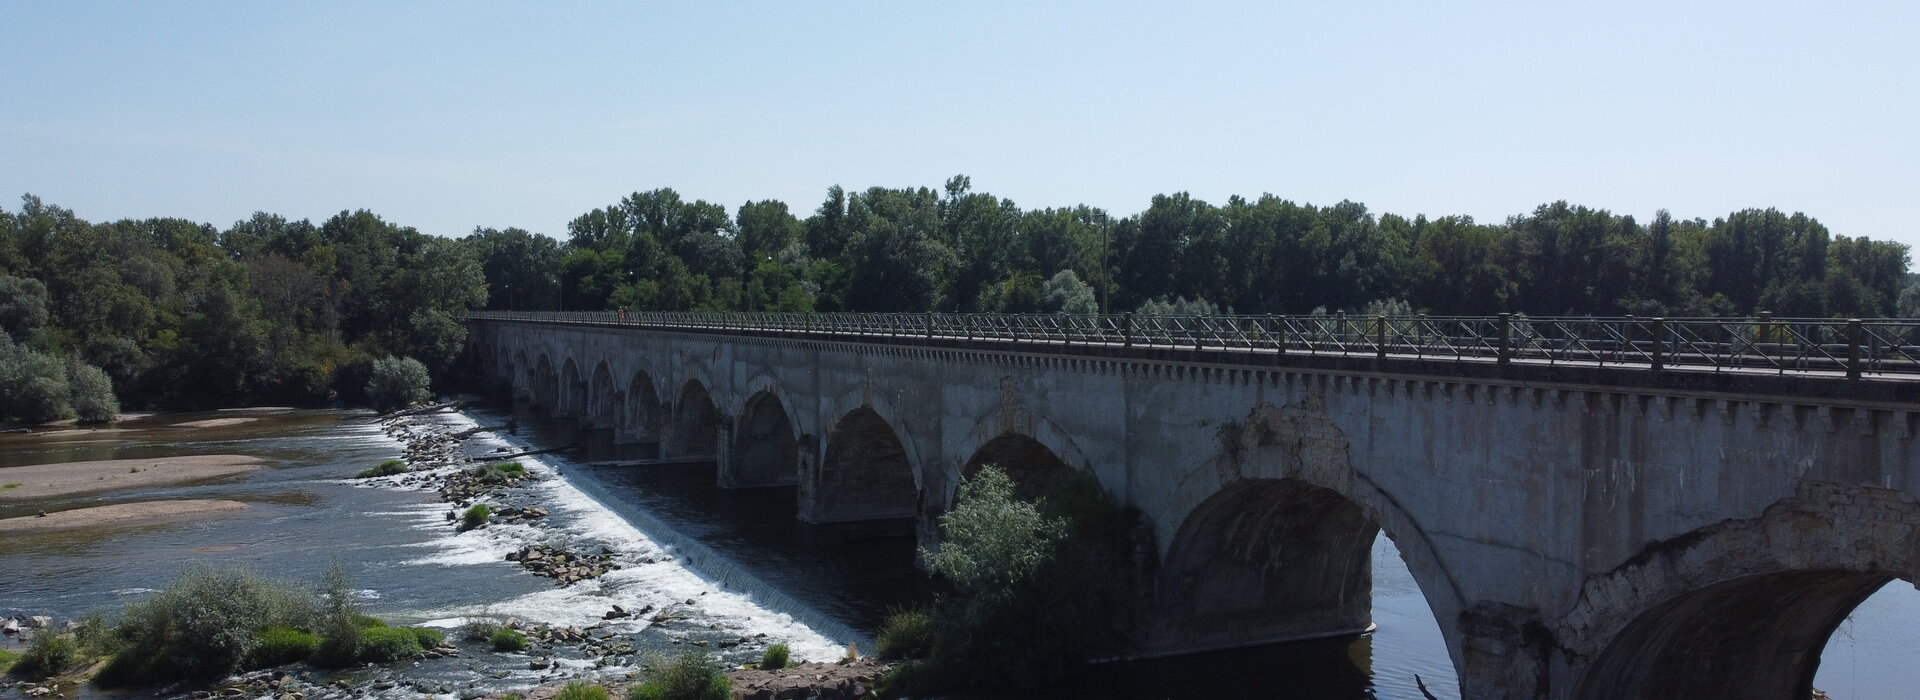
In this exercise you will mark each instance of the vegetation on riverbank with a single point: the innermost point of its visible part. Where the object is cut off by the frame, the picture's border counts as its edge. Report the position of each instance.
(390, 467)
(1029, 590)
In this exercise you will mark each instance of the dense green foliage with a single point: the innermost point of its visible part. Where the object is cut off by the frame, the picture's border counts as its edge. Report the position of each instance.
(398, 382)
(906, 634)
(775, 657)
(956, 249)
(8, 659)
(48, 654)
(475, 516)
(387, 468)
(690, 676)
(211, 622)
(204, 624)
(499, 472)
(282, 645)
(177, 314)
(1030, 589)
(508, 639)
(180, 314)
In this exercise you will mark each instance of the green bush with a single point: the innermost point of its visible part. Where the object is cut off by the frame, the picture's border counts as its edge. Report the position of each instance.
(479, 630)
(581, 690)
(36, 384)
(1033, 588)
(428, 637)
(505, 639)
(282, 645)
(48, 655)
(340, 622)
(690, 676)
(775, 657)
(499, 472)
(92, 393)
(475, 517)
(387, 468)
(398, 382)
(367, 622)
(203, 625)
(387, 644)
(907, 634)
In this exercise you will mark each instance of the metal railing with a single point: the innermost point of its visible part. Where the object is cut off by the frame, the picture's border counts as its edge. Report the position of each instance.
(1853, 348)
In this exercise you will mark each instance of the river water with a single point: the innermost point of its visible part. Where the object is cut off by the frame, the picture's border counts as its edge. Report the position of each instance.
(734, 564)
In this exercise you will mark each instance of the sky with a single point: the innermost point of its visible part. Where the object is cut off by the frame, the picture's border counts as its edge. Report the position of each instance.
(447, 116)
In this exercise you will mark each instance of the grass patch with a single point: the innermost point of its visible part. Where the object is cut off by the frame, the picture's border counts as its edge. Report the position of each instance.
(907, 634)
(690, 676)
(499, 472)
(505, 639)
(475, 517)
(581, 690)
(279, 646)
(14, 485)
(387, 468)
(479, 630)
(428, 637)
(7, 659)
(383, 645)
(775, 658)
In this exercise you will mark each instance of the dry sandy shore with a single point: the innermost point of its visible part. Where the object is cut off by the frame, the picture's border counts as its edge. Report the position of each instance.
(41, 481)
(118, 514)
(213, 422)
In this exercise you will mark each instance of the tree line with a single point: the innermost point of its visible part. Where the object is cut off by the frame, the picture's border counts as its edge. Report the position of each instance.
(172, 313)
(176, 314)
(917, 249)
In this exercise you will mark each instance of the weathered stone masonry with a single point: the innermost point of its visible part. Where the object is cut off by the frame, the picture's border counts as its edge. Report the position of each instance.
(1579, 533)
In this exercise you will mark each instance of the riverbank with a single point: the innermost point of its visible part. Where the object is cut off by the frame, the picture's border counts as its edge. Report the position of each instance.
(118, 514)
(47, 481)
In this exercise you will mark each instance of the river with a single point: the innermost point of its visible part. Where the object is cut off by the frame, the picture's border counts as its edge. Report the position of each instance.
(736, 564)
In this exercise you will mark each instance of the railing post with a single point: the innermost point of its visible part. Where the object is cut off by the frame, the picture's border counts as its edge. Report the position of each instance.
(1126, 330)
(929, 324)
(1659, 343)
(1853, 348)
(1380, 337)
(1505, 349)
(1279, 341)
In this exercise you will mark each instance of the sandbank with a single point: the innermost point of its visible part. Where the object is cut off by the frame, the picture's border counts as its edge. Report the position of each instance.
(214, 422)
(40, 481)
(117, 514)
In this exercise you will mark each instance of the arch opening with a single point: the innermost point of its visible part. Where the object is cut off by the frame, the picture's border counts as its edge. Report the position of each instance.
(602, 397)
(546, 386)
(1034, 468)
(641, 412)
(1265, 561)
(573, 390)
(695, 430)
(1755, 637)
(765, 450)
(865, 475)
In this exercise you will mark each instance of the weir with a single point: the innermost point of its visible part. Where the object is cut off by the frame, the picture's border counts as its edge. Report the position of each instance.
(1593, 508)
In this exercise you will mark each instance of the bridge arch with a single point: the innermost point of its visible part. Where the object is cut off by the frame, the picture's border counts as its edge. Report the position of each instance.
(573, 390)
(1267, 560)
(866, 473)
(546, 385)
(694, 429)
(642, 414)
(602, 398)
(1744, 608)
(766, 444)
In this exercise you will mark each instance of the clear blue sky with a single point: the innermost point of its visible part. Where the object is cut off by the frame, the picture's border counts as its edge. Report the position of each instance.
(445, 116)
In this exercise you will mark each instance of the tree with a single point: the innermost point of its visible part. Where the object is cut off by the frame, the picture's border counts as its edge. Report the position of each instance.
(1066, 294)
(23, 306)
(398, 382)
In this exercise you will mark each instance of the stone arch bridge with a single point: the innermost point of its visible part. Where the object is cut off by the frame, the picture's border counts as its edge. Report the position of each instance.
(1620, 509)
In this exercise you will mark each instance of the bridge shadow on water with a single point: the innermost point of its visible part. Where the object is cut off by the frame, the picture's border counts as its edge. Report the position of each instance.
(855, 573)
